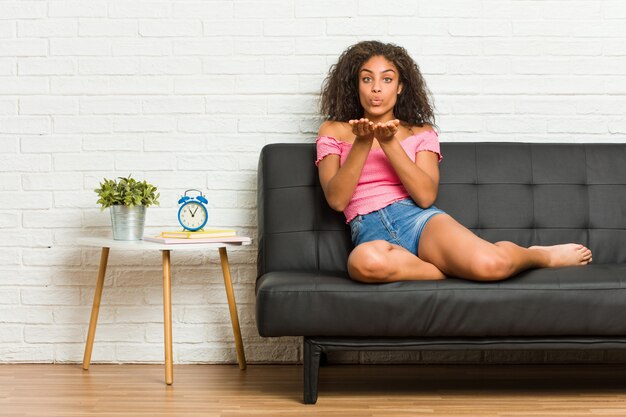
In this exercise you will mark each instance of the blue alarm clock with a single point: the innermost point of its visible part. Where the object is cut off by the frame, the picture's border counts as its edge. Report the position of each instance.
(193, 213)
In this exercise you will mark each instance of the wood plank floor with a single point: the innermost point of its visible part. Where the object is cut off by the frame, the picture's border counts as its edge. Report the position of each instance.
(345, 390)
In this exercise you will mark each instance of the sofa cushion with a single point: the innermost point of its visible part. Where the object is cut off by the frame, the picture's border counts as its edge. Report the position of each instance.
(531, 194)
(573, 301)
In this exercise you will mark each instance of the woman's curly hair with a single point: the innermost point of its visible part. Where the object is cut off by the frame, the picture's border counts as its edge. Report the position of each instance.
(339, 99)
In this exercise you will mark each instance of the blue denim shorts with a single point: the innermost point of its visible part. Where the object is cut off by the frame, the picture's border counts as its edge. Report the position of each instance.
(401, 223)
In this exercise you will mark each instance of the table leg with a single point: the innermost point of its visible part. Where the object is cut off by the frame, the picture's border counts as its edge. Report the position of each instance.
(232, 306)
(97, 296)
(167, 317)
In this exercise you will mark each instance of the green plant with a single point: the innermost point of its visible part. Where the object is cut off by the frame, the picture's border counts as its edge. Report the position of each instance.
(127, 192)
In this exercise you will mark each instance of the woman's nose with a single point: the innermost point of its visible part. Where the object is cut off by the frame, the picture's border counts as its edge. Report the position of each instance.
(375, 88)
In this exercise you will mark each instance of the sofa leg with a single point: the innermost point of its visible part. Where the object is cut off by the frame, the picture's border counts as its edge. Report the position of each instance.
(312, 355)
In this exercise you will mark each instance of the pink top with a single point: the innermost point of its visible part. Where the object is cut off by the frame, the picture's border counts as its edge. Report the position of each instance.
(379, 185)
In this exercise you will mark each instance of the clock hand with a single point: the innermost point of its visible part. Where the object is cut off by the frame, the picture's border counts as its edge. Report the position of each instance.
(194, 213)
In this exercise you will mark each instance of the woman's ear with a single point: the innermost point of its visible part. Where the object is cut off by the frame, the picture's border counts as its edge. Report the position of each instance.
(399, 88)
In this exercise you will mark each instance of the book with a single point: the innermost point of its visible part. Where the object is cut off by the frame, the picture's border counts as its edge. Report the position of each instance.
(177, 241)
(200, 234)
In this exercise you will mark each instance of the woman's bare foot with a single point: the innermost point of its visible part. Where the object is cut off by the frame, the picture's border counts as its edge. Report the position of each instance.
(568, 254)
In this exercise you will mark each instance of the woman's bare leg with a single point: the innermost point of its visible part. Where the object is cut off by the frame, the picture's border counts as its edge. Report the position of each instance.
(456, 251)
(380, 261)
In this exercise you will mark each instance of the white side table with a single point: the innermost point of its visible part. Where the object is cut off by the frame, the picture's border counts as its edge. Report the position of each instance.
(109, 243)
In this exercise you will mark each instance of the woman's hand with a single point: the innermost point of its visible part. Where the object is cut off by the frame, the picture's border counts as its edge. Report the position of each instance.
(384, 132)
(363, 129)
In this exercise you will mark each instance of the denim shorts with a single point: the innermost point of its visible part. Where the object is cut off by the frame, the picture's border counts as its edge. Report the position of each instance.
(401, 223)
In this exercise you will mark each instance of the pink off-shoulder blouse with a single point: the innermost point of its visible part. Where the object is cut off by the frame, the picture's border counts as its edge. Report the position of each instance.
(379, 185)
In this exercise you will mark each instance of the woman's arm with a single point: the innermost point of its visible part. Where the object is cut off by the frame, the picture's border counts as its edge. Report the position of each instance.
(420, 178)
(339, 181)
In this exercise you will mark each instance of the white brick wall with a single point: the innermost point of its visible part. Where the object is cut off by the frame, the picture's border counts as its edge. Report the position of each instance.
(186, 93)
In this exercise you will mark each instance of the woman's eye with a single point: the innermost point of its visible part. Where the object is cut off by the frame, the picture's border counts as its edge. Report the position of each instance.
(367, 79)
(387, 79)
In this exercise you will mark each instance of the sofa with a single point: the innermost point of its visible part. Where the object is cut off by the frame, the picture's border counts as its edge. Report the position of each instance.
(528, 193)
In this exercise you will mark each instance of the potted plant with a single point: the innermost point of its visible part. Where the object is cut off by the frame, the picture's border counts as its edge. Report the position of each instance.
(128, 199)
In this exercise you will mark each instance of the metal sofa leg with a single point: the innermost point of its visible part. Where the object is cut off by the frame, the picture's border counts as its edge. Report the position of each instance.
(312, 355)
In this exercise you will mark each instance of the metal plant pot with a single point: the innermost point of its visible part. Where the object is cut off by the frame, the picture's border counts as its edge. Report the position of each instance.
(128, 222)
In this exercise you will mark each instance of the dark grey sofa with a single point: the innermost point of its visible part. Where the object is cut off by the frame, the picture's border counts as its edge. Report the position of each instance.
(527, 193)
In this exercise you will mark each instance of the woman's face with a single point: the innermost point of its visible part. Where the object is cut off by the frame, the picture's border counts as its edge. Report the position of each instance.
(379, 86)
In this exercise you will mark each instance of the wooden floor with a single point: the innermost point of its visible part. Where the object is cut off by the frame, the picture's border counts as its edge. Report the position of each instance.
(345, 390)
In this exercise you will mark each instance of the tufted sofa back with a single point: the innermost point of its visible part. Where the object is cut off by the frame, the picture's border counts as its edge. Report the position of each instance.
(531, 194)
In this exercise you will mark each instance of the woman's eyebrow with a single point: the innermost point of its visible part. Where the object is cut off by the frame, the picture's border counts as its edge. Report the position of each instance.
(370, 71)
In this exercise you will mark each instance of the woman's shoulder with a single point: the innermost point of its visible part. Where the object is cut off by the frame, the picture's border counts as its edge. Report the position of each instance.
(334, 129)
(417, 129)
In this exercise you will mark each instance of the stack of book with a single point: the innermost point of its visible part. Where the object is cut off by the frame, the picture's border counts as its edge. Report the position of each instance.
(201, 236)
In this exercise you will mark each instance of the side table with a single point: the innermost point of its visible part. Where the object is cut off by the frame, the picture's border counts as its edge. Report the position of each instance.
(108, 243)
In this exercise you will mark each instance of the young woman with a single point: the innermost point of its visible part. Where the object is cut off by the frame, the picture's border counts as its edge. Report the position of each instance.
(378, 158)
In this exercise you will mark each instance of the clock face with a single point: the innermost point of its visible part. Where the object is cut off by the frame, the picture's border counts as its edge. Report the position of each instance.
(192, 215)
